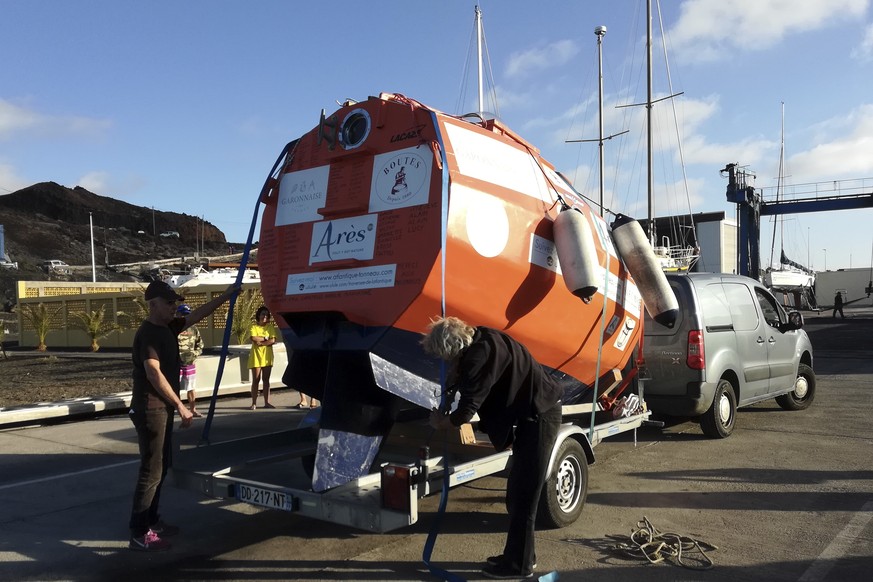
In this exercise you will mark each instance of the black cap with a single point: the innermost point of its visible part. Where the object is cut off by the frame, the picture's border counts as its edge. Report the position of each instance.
(160, 289)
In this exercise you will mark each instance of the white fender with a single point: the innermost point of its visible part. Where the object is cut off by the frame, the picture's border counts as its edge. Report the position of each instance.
(640, 260)
(574, 243)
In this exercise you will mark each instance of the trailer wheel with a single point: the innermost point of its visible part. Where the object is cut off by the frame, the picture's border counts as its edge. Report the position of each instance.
(566, 486)
(804, 391)
(718, 421)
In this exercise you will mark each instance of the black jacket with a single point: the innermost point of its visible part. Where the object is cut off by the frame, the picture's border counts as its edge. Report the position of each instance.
(498, 378)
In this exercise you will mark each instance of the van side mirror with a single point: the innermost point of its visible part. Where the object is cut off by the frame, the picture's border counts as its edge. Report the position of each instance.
(795, 321)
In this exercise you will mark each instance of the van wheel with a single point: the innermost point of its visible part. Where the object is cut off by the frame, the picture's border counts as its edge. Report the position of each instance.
(804, 390)
(566, 486)
(718, 421)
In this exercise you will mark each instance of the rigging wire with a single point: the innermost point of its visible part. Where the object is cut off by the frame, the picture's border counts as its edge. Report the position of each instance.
(486, 69)
(664, 41)
(462, 88)
(489, 71)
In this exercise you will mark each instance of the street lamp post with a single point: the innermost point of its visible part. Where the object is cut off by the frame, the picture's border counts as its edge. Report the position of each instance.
(93, 264)
(826, 258)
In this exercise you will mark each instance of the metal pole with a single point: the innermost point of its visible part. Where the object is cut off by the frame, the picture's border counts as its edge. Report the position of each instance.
(479, 56)
(93, 264)
(600, 31)
(649, 139)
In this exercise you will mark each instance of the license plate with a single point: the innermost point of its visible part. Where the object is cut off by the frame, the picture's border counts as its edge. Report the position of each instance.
(264, 497)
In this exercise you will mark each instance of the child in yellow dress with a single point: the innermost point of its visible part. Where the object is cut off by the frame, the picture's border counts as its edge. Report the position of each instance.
(263, 334)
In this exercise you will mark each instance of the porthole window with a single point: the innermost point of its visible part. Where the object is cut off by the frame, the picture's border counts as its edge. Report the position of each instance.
(355, 129)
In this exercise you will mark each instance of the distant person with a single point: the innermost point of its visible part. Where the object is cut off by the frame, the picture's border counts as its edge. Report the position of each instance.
(263, 334)
(156, 365)
(190, 348)
(519, 405)
(838, 305)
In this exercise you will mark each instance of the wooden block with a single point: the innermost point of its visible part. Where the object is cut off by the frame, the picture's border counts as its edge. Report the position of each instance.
(466, 433)
(608, 382)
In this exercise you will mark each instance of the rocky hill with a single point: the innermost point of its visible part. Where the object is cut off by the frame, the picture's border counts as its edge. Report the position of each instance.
(49, 221)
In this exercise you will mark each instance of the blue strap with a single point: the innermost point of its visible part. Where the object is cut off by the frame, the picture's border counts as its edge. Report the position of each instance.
(434, 530)
(225, 342)
(444, 496)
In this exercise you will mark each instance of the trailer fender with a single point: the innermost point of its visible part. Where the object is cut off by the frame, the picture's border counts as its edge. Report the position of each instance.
(576, 433)
(566, 483)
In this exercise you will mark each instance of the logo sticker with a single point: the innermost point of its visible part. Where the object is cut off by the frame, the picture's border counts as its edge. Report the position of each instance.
(345, 238)
(301, 194)
(400, 179)
(376, 277)
(411, 133)
(544, 254)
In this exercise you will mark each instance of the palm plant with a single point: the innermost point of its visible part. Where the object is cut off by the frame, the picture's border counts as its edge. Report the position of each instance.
(40, 318)
(94, 324)
(247, 303)
(138, 312)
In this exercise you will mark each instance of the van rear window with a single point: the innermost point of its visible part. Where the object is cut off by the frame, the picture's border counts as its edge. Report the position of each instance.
(742, 306)
(715, 307)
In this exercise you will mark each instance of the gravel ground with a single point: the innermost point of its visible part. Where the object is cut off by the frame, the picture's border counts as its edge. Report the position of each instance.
(28, 379)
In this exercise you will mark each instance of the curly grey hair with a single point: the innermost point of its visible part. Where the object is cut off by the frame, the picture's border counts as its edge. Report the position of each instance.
(447, 337)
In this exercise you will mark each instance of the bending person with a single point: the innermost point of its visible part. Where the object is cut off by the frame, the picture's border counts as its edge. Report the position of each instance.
(518, 405)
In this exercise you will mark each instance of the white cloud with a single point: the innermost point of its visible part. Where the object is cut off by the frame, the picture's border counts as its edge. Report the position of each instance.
(10, 181)
(750, 151)
(844, 148)
(537, 59)
(706, 29)
(96, 182)
(864, 51)
(16, 120)
(106, 184)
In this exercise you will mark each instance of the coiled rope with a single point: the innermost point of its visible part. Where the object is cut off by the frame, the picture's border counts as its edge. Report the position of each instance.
(648, 543)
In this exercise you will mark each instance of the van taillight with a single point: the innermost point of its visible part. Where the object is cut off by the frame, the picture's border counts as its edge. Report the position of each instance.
(696, 359)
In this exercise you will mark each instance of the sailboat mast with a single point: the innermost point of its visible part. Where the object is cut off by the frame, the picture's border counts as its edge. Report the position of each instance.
(780, 220)
(600, 31)
(479, 57)
(649, 140)
(780, 186)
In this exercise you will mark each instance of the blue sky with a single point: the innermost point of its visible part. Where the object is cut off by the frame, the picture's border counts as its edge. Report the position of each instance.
(184, 106)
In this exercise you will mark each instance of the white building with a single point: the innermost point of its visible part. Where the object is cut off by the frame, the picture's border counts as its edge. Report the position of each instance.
(851, 283)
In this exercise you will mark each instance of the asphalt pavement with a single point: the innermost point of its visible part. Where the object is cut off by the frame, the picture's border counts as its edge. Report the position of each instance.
(787, 497)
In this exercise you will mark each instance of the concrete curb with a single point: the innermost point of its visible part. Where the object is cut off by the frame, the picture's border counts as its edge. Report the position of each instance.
(42, 411)
(234, 381)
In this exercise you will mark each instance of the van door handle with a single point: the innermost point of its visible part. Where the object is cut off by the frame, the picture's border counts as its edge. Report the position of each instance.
(760, 340)
(772, 340)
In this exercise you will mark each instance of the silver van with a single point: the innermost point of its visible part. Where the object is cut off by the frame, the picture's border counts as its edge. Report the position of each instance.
(731, 345)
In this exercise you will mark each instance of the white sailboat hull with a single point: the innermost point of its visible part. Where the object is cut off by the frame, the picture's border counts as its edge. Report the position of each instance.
(223, 276)
(788, 280)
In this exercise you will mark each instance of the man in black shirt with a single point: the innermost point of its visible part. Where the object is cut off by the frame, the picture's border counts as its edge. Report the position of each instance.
(155, 394)
(518, 405)
(838, 305)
